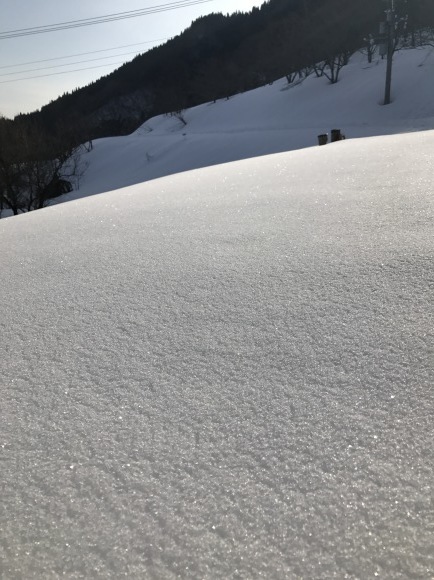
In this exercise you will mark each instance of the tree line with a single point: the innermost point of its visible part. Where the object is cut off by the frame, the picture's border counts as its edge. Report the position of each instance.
(36, 166)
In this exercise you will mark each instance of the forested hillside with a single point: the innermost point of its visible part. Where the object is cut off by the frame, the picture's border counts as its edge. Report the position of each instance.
(215, 57)
(219, 55)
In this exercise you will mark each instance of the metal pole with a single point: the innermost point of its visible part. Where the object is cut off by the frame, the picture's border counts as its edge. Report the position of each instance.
(390, 50)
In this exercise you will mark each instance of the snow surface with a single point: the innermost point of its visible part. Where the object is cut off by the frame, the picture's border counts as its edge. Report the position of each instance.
(226, 373)
(272, 119)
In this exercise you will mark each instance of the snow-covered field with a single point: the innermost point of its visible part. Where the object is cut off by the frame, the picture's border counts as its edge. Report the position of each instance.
(226, 373)
(272, 119)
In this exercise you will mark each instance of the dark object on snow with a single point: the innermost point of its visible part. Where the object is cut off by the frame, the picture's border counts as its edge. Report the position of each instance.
(336, 135)
(323, 139)
(56, 187)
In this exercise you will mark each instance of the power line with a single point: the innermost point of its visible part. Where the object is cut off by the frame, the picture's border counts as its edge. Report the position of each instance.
(21, 72)
(81, 54)
(100, 19)
(61, 72)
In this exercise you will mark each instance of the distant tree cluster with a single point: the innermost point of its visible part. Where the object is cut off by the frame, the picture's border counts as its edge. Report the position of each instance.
(35, 166)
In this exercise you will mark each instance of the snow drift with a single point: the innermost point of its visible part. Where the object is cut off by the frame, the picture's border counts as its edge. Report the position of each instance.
(225, 373)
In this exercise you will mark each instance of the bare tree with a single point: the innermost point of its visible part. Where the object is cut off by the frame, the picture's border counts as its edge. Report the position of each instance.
(370, 47)
(334, 64)
(35, 167)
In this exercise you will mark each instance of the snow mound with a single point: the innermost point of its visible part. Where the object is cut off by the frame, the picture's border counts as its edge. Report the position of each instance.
(225, 373)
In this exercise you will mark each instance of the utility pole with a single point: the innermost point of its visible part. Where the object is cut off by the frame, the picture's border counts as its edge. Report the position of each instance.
(390, 24)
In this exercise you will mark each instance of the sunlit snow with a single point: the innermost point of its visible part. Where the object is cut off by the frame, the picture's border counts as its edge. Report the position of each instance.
(272, 119)
(225, 373)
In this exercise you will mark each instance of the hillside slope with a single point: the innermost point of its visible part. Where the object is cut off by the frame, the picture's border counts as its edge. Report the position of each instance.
(271, 119)
(226, 373)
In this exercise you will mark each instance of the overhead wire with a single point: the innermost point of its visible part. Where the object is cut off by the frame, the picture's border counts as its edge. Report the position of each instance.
(136, 52)
(67, 64)
(100, 19)
(80, 54)
(87, 22)
(61, 72)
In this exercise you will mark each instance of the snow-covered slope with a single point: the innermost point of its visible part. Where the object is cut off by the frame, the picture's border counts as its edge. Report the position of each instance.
(271, 119)
(226, 373)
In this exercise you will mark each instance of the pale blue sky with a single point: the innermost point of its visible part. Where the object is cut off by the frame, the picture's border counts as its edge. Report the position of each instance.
(27, 95)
